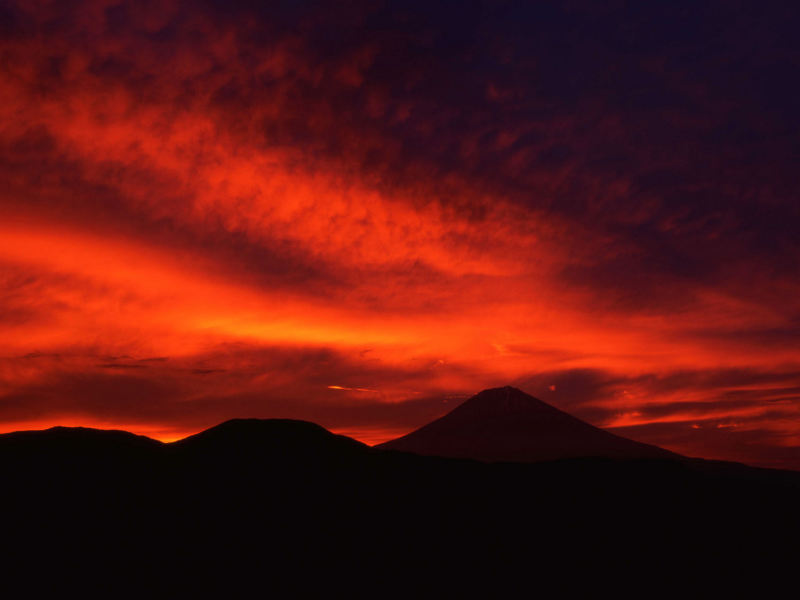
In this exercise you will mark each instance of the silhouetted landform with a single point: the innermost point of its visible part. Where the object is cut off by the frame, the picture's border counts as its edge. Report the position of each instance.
(279, 507)
(506, 424)
(273, 439)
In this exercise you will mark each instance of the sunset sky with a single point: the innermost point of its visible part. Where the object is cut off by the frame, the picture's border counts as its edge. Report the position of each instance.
(361, 213)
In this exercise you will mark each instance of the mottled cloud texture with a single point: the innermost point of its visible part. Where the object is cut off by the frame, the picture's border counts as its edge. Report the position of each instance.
(359, 213)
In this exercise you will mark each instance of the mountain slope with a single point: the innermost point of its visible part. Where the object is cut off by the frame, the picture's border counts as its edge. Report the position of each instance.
(269, 436)
(507, 425)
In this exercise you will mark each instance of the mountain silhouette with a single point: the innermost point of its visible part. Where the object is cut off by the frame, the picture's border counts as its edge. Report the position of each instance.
(256, 504)
(507, 425)
(76, 439)
(274, 440)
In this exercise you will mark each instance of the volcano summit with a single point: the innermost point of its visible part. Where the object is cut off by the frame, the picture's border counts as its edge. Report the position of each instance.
(507, 425)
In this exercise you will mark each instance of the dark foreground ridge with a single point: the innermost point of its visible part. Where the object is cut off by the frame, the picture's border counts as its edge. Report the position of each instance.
(506, 424)
(265, 504)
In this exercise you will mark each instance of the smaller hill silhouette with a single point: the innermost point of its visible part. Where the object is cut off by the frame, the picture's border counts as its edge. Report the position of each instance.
(507, 425)
(61, 451)
(265, 435)
(286, 443)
